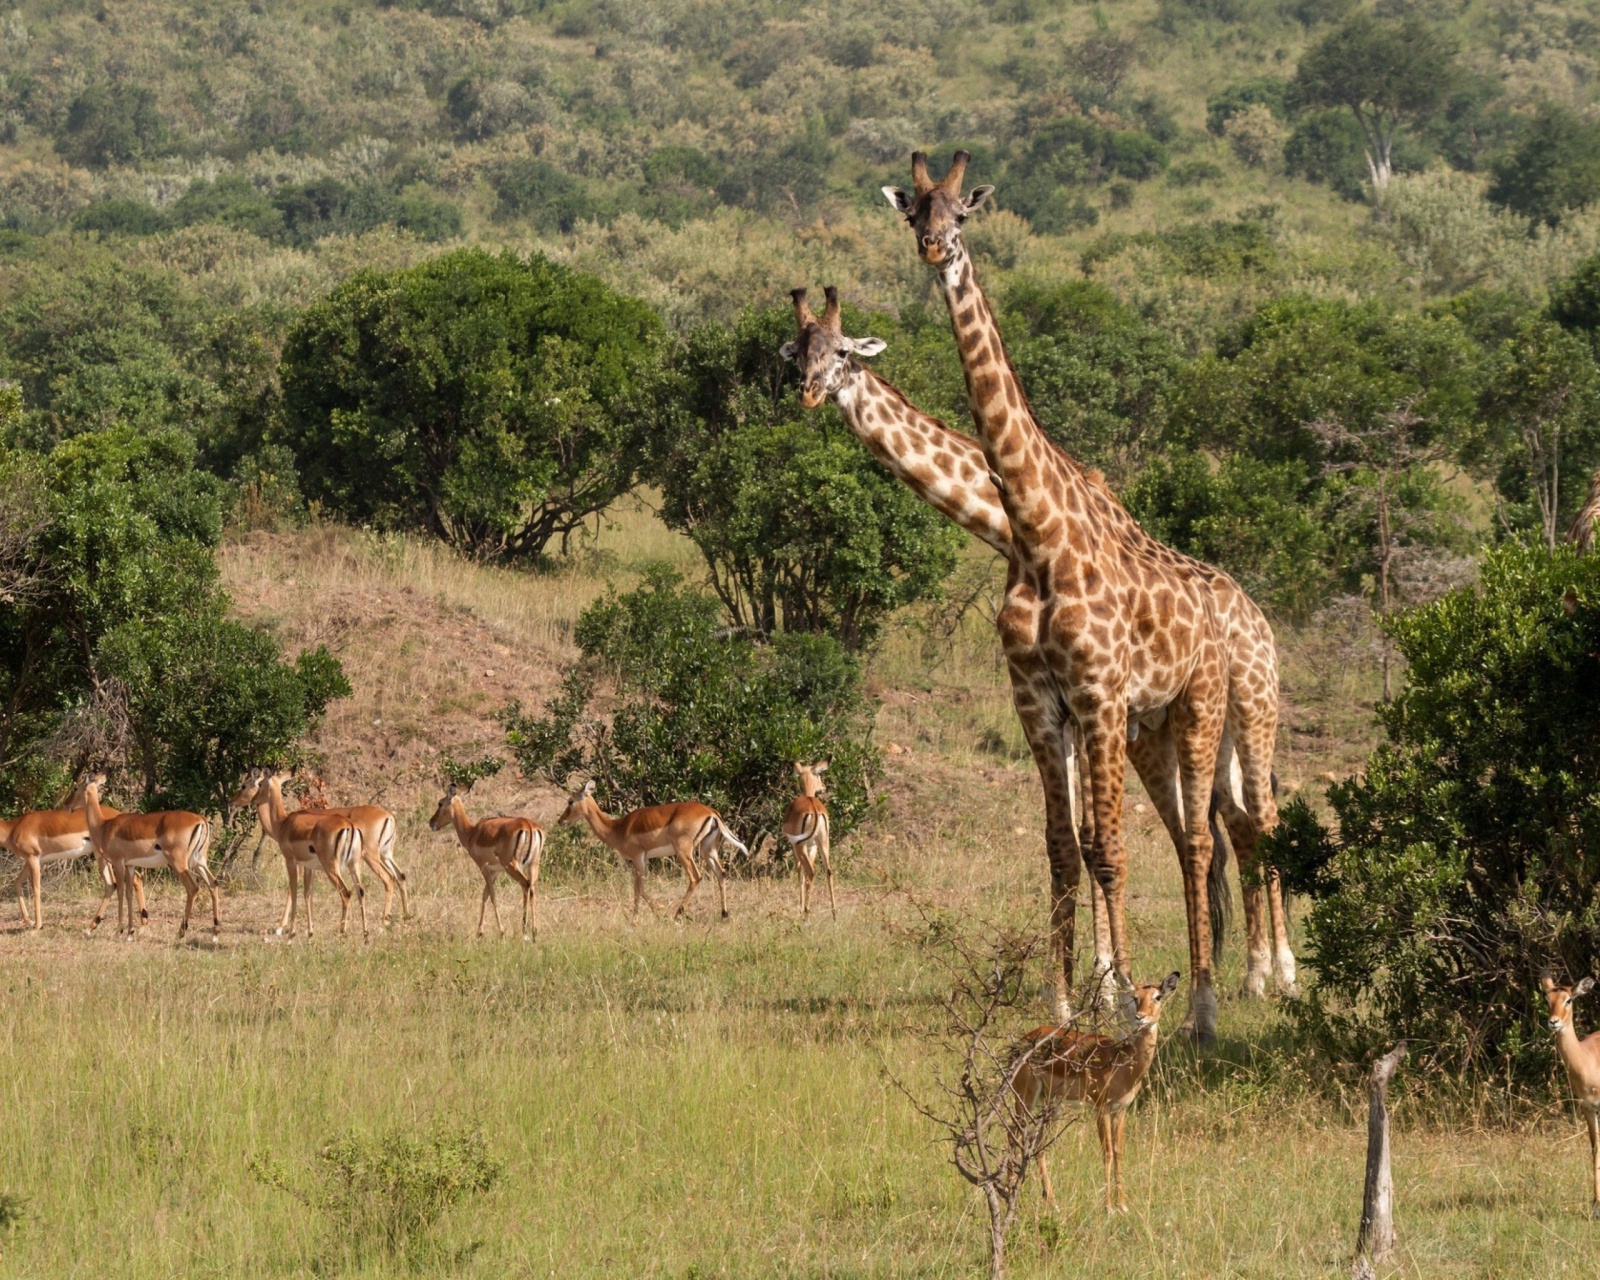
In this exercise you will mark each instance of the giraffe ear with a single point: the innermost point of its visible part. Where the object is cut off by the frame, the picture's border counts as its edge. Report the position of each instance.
(899, 199)
(976, 197)
(867, 346)
(787, 351)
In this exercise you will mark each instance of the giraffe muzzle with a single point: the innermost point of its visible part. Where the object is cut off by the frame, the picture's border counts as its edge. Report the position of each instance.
(811, 395)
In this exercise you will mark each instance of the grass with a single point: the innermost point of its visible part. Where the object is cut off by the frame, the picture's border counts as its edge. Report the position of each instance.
(682, 1100)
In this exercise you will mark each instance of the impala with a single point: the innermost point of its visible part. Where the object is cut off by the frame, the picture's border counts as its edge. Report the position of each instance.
(377, 828)
(1583, 1066)
(48, 836)
(128, 842)
(308, 839)
(503, 843)
(1103, 1072)
(805, 826)
(665, 830)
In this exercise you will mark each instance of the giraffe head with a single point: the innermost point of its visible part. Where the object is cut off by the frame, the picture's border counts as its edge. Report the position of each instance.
(936, 210)
(821, 351)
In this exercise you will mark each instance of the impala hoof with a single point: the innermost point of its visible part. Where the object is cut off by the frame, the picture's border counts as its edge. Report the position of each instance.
(724, 915)
(1594, 1212)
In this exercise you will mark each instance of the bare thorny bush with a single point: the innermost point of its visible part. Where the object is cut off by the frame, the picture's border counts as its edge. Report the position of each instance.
(987, 1007)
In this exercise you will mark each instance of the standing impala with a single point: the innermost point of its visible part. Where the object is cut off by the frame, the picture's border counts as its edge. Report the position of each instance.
(1582, 1058)
(49, 836)
(1097, 1071)
(805, 826)
(665, 830)
(377, 828)
(128, 842)
(308, 839)
(505, 843)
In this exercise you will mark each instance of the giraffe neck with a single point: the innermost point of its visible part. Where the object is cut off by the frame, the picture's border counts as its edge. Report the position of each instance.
(1037, 481)
(944, 468)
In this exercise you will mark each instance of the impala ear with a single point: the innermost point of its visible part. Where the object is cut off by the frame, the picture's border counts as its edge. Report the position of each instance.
(901, 202)
(1169, 984)
(788, 351)
(820, 768)
(976, 197)
(866, 346)
(1584, 987)
(588, 787)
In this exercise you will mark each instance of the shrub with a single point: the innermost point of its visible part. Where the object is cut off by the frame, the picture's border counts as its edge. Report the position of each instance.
(486, 400)
(1465, 855)
(121, 217)
(389, 1191)
(1554, 167)
(1254, 135)
(703, 713)
(113, 124)
(536, 189)
(1269, 92)
(1327, 147)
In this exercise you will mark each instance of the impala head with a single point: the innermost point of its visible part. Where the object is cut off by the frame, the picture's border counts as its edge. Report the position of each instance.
(1560, 1000)
(1148, 1001)
(577, 802)
(79, 799)
(821, 351)
(444, 814)
(245, 797)
(811, 783)
(936, 210)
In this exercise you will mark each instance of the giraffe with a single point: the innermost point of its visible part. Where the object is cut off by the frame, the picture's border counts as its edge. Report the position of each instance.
(1106, 629)
(948, 471)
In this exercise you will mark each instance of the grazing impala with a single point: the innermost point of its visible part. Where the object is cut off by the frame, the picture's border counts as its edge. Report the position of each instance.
(48, 836)
(1583, 1065)
(308, 839)
(1103, 1072)
(129, 842)
(665, 830)
(505, 843)
(805, 826)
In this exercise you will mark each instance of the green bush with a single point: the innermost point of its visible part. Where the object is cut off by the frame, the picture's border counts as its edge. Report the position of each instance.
(704, 713)
(1468, 851)
(486, 400)
(1554, 166)
(1270, 91)
(121, 218)
(388, 1192)
(110, 124)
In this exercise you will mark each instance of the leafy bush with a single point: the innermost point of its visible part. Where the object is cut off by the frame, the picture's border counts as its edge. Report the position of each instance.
(801, 528)
(110, 124)
(704, 713)
(1269, 91)
(1327, 147)
(122, 218)
(1041, 182)
(1465, 856)
(483, 399)
(389, 1191)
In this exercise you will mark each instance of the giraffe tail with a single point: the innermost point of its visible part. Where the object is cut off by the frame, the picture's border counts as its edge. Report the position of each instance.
(1217, 890)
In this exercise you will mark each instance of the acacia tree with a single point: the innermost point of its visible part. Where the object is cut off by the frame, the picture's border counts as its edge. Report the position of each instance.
(1386, 72)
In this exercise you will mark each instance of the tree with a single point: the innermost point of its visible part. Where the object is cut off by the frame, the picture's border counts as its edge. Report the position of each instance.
(113, 124)
(1462, 860)
(1386, 72)
(1554, 167)
(1540, 402)
(800, 528)
(490, 401)
(702, 712)
(120, 653)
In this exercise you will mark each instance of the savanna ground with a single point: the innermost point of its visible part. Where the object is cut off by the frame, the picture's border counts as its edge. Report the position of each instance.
(667, 1099)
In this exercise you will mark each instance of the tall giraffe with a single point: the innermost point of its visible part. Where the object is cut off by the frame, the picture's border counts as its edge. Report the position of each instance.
(1104, 626)
(948, 471)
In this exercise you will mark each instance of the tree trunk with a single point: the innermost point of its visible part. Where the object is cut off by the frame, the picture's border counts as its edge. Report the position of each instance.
(1376, 1240)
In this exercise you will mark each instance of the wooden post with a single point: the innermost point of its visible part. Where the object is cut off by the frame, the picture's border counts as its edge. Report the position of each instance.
(1376, 1240)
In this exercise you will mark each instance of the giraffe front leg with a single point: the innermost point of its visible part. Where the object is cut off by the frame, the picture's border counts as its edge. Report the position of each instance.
(1105, 736)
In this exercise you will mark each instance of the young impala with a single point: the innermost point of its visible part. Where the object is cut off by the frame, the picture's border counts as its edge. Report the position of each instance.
(805, 826)
(508, 844)
(309, 839)
(133, 841)
(665, 830)
(1583, 1066)
(48, 836)
(1103, 1072)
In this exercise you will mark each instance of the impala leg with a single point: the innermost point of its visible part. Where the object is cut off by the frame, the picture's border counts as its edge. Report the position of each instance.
(719, 876)
(190, 889)
(1592, 1115)
(374, 860)
(1102, 1124)
(345, 895)
(400, 881)
(210, 882)
(113, 886)
(494, 905)
(692, 872)
(307, 877)
(523, 883)
(16, 888)
(32, 866)
(827, 866)
(137, 889)
(483, 901)
(291, 901)
(1118, 1120)
(806, 870)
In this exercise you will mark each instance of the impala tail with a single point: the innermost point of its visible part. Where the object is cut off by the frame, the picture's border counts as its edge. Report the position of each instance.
(530, 844)
(347, 848)
(199, 851)
(730, 838)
